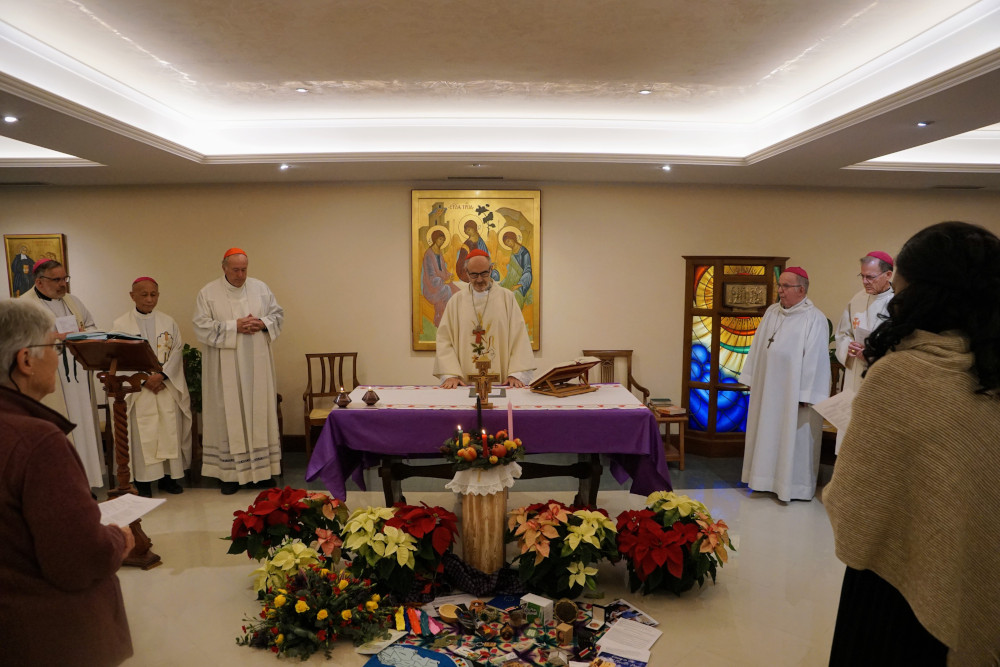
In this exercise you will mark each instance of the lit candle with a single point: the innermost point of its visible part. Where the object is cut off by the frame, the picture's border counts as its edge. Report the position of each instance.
(458, 436)
(486, 447)
(510, 420)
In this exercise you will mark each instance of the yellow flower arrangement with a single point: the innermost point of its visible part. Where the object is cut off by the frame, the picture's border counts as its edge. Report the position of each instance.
(313, 610)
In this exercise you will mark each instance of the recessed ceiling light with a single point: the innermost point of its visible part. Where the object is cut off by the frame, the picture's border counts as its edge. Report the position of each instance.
(10, 119)
(645, 91)
(283, 167)
(476, 165)
(925, 123)
(665, 167)
(302, 90)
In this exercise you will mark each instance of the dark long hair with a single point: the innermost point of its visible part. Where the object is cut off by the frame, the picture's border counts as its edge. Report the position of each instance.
(952, 276)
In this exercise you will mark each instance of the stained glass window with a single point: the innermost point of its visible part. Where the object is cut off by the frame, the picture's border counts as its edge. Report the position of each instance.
(735, 333)
(731, 414)
(704, 286)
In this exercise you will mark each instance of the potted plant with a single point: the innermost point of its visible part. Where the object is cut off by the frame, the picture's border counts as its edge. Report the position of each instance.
(560, 545)
(671, 544)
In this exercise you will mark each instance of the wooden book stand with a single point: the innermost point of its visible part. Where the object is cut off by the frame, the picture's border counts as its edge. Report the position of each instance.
(559, 380)
(109, 357)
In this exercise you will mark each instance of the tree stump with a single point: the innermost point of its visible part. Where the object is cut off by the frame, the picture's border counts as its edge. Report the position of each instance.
(483, 522)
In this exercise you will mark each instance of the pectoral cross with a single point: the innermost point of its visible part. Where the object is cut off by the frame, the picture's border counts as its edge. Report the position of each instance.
(770, 340)
(479, 332)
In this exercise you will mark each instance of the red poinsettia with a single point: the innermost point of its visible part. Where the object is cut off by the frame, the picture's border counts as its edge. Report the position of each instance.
(280, 514)
(676, 534)
(422, 520)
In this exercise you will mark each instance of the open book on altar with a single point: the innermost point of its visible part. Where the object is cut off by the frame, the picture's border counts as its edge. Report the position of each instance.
(566, 378)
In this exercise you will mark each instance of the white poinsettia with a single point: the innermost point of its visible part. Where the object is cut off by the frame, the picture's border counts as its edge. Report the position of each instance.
(287, 560)
(579, 573)
(393, 541)
(361, 526)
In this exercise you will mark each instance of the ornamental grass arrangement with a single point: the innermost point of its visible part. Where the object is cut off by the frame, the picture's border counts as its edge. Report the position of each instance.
(314, 607)
(671, 544)
(401, 547)
(281, 515)
(481, 450)
(560, 546)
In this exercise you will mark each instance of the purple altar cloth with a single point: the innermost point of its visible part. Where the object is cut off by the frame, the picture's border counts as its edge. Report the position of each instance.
(355, 439)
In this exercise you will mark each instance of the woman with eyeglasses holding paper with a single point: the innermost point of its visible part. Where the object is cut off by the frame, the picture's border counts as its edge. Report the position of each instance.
(60, 601)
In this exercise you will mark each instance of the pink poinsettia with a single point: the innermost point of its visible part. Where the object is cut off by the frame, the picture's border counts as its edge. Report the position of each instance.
(327, 541)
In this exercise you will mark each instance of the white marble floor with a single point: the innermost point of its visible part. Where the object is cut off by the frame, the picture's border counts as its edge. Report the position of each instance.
(774, 604)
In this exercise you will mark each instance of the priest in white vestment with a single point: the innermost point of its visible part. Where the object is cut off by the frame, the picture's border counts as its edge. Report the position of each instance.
(863, 314)
(159, 416)
(75, 397)
(237, 318)
(788, 370)
(483, 314)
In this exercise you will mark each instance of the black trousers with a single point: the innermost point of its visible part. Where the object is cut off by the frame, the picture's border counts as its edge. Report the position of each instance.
(875, 626)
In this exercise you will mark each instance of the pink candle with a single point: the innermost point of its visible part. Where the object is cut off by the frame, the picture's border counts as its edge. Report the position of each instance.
(510, 421)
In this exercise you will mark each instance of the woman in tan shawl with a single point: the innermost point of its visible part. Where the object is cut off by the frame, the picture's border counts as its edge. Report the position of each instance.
(915, 495)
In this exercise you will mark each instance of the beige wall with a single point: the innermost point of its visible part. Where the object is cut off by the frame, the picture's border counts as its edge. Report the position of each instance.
(337, 258)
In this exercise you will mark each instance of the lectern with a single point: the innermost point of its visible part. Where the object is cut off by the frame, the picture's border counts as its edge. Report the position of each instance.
(108, 357)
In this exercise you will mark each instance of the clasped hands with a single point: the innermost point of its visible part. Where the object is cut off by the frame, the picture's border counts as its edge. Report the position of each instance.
(249, 325)
(154, 383)
(452, 382)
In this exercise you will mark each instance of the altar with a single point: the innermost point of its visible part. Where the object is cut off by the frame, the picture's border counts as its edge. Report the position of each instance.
(413, 422)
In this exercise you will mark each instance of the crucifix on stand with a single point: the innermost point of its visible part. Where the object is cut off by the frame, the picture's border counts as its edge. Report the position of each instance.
(110, 357)
(484, 380)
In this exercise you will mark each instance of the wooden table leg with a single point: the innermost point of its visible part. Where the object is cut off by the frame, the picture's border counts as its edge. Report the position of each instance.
(391, 487)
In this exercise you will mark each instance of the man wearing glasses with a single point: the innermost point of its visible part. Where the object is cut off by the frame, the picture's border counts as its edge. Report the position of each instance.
(863, 314)
(787, 370)
(74, 396)
(483, 318)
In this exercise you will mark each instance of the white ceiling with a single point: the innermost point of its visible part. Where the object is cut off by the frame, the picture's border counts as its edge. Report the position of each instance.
(760, 92)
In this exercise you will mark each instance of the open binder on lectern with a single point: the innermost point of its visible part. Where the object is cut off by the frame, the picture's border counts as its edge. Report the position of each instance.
(566, 379)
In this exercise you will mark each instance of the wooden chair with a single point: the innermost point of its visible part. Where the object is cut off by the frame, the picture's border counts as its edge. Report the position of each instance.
(326, 375)
(607, 367)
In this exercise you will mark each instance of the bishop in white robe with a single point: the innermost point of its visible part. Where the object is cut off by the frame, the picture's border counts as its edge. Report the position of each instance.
(788, 370)
(159, 416)
(237, 318)
(866, 310)
(488, 315)
(75, 396)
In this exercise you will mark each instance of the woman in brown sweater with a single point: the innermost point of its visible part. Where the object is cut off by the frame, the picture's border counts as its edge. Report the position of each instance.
(60, 601)
(915, 495)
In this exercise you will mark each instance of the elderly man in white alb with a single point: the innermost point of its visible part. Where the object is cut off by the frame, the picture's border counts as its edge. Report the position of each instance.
(159, 416)
(862, 316)
(74, 396)
(788, 370)
(238, 318)
(488, 315)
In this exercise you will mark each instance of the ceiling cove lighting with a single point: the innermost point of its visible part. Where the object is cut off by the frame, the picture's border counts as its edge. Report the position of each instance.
(284, 167)
(302, 90)
(665, 167)
(645, 91)
(925, 123)
(10, 119)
